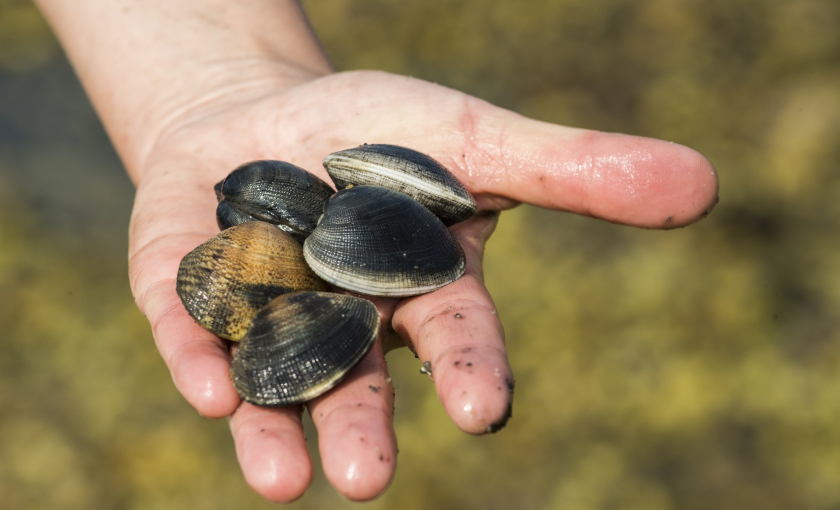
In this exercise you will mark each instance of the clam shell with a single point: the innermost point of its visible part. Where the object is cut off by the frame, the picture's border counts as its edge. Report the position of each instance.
(380, 242)
(302, 344)
(227, 215)
(224, 282)
(273, 191)
(407, 171)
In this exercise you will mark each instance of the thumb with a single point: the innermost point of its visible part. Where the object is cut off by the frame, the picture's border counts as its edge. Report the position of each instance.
(619, 178)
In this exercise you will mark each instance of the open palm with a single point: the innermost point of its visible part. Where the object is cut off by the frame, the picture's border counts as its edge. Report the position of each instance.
(501, 157)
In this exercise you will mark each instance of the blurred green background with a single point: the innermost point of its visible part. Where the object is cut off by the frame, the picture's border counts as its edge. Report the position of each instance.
(690, 369)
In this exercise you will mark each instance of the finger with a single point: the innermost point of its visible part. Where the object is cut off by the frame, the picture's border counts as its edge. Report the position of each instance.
(197, 359)
(271, 449)
(355, 430)
(619, 178)
(457, 331)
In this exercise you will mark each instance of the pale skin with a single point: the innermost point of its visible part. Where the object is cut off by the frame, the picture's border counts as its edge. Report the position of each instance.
(190, 89)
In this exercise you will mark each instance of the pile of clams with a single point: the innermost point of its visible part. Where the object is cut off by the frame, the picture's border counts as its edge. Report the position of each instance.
(264, 281)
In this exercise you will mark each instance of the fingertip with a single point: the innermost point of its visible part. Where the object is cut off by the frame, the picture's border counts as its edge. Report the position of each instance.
(272, 452)
(201, 373)
(647, 182)
(694, 187)
(475, 386)
(359, 452)
(476, 414)
(271, 477)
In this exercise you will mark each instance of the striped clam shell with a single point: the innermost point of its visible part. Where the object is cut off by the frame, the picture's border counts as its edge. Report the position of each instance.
(301, 345)
(380, 242)
(407, 171)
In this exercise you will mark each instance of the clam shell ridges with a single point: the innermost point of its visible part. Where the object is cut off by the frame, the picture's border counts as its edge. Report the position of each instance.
(273, 191)
(225, 281)
(380, 242)
(407, 171)
(301, 345)
(228, 215)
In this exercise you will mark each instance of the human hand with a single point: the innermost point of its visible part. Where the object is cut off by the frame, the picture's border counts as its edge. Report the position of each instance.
(189, 89)
(501, 157)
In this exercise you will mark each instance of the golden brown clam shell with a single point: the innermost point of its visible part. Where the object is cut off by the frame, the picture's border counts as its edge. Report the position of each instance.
(224, 282)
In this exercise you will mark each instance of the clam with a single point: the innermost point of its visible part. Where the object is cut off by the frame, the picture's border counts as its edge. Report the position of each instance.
(224, 282)
(273, 191)
(407, 171)
(301, 345)
(380, 242)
